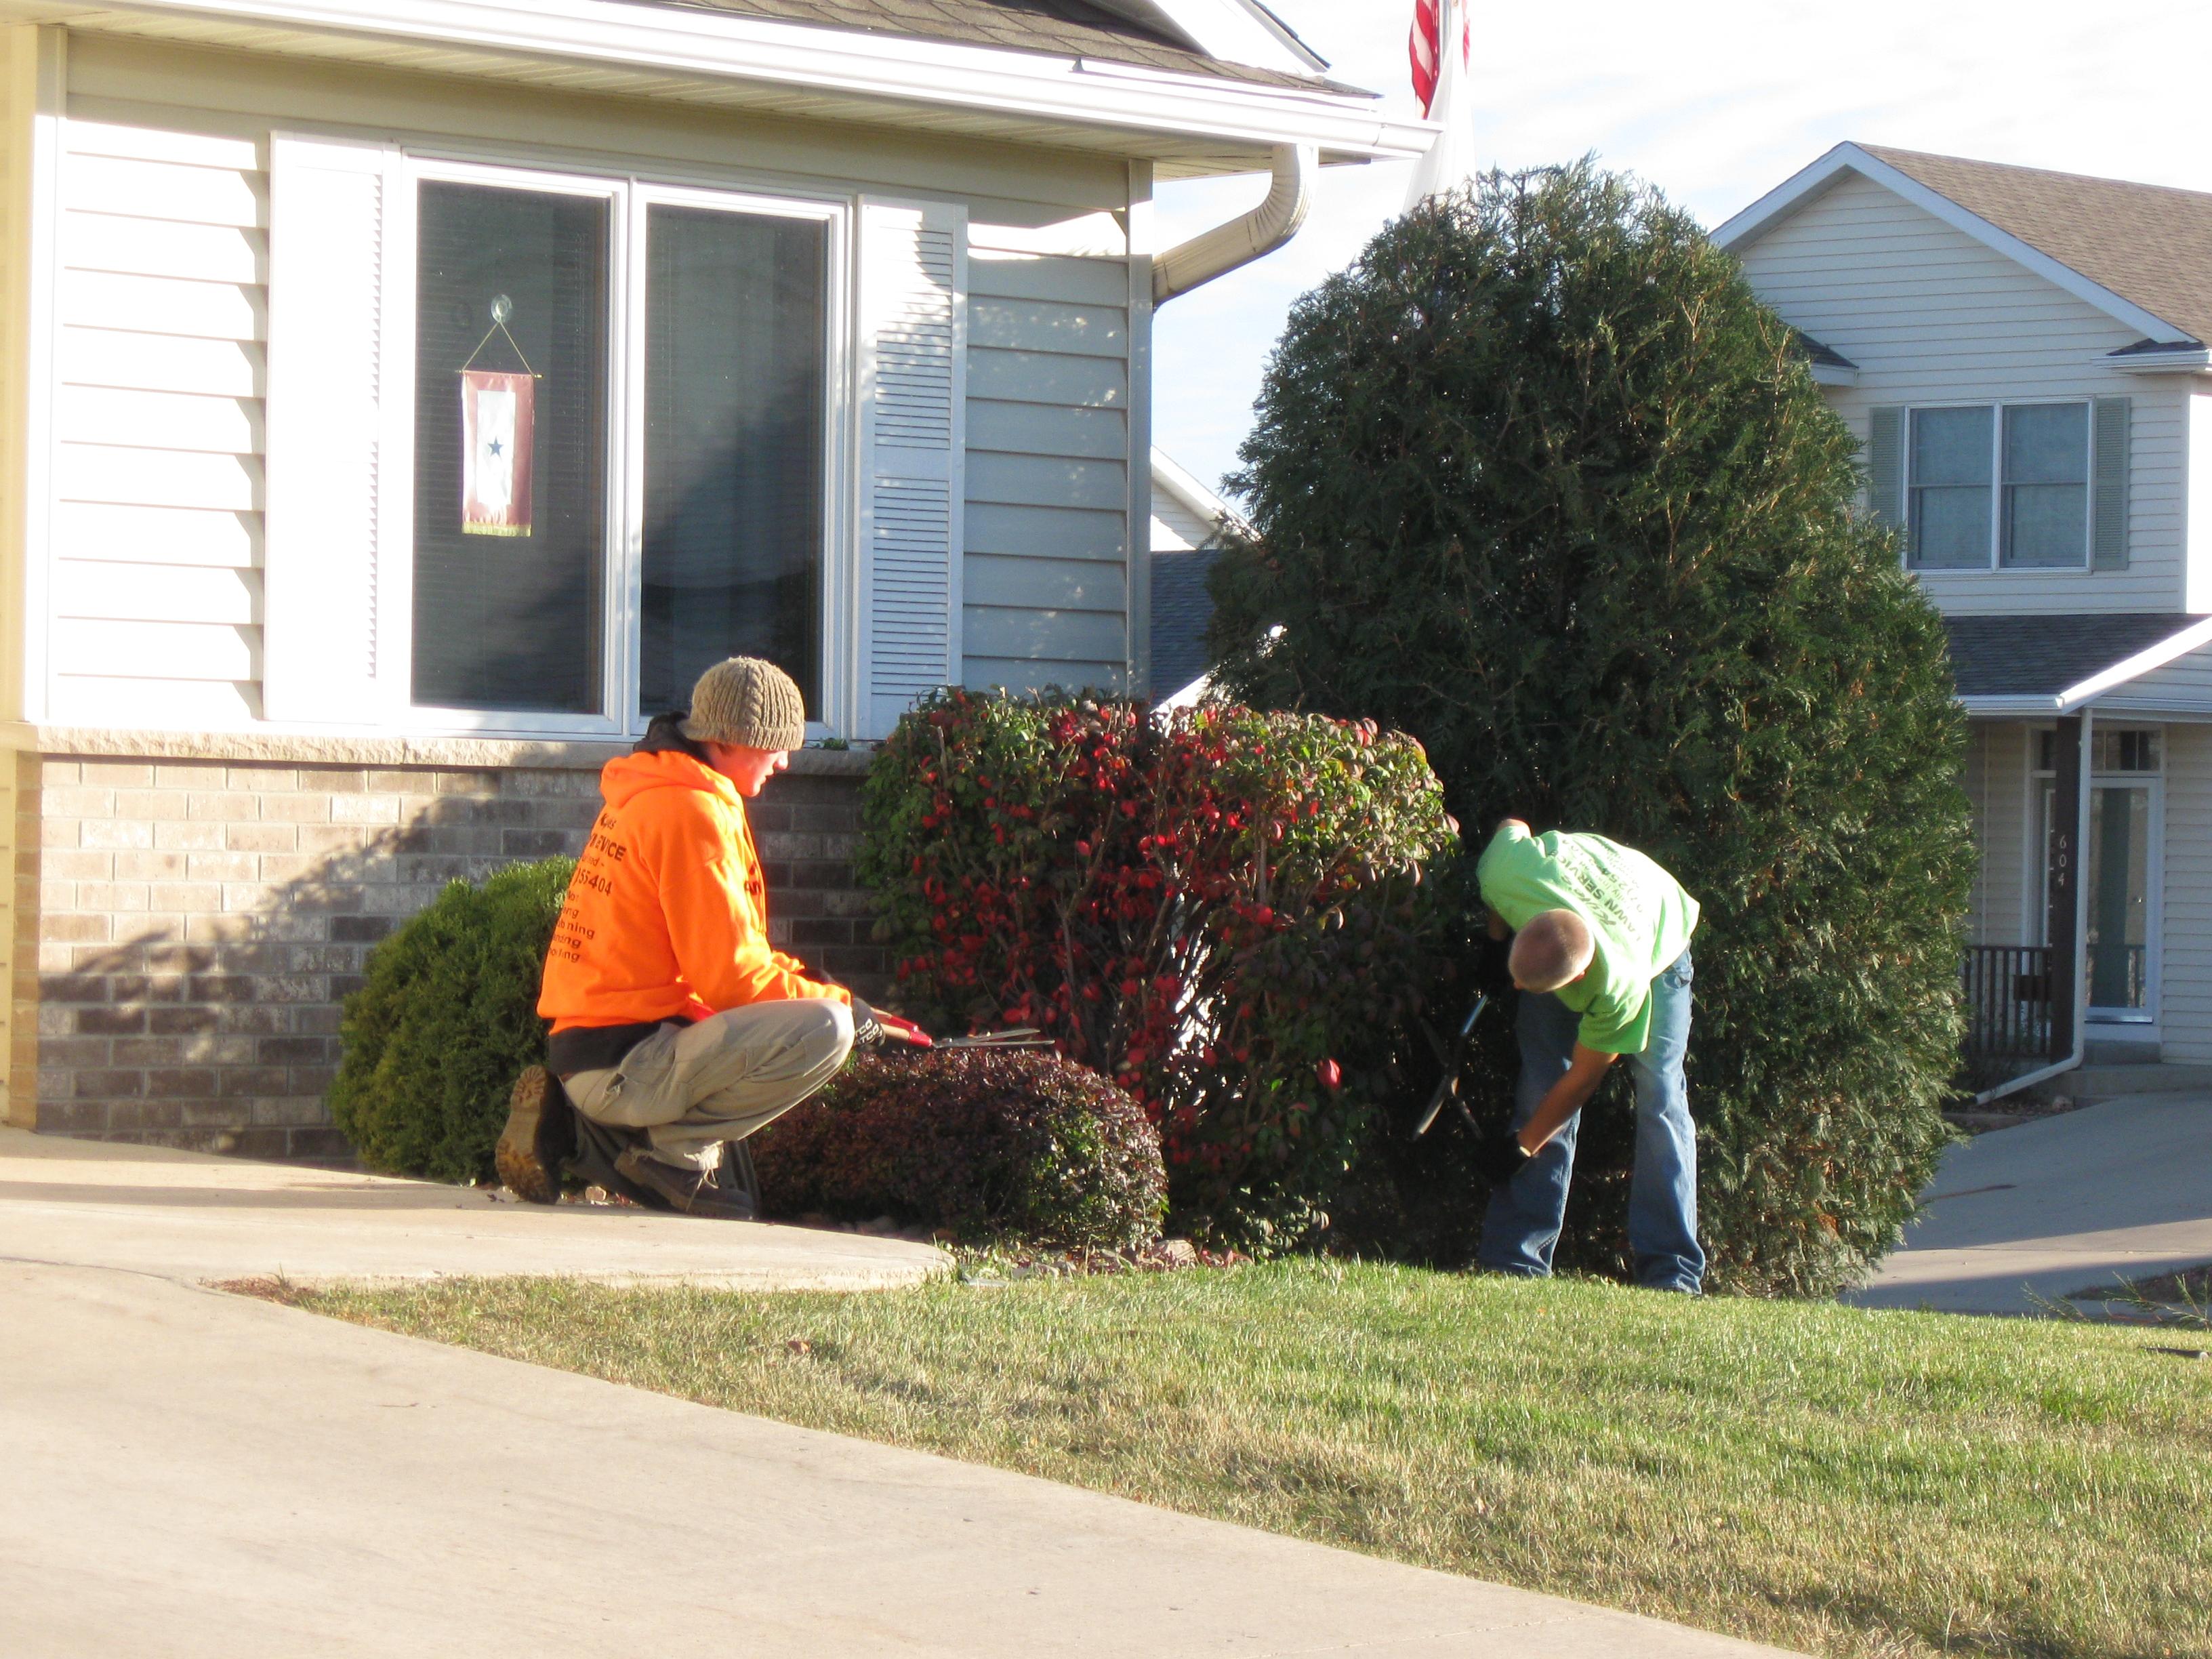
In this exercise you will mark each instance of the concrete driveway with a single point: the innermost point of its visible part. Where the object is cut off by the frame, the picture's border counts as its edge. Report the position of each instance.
(2062, 1204)
(190, 1473)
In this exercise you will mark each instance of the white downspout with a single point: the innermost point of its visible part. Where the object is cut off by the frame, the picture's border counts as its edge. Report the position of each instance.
(2080, 965)
(1218, 251)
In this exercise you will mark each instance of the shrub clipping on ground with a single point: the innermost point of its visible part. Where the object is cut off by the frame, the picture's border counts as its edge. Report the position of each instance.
(1018, 1145)
(1224, 911)
(1540, 482)
(445, 1022)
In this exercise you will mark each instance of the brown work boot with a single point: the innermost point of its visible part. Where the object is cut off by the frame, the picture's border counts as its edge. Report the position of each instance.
(688, 1192)
(537, 1139)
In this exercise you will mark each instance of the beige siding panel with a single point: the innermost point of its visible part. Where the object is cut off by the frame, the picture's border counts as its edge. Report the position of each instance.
(198, 705)
(2002, 816)
(157, 477)
(107, 533)
(156, 247)
(1043, 636)
(1019, 674)
(161, 305)
(1035, 325)
(1046, 429)
(1046, 480)
(1044, 377)
(164, 144)
(1028, 277)
(144, 189)
(159, 419)
(162, 362)
(1931, 316)
(1973, 777)
(155, 593)
(2185, 683)
(1176, 528)
(157, 650)
(1046, 584)
(2185, 982)
(1029, 532)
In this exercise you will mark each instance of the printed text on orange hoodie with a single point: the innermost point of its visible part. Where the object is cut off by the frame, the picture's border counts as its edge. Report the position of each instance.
(668, 915)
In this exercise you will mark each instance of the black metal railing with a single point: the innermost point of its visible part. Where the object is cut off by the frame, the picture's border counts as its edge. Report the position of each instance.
(2007, 991)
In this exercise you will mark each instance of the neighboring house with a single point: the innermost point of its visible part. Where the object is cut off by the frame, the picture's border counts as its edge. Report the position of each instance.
(2023, 356)
(818, 329)
(1188, 519)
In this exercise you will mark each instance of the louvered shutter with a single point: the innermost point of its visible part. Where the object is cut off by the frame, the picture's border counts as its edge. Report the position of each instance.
(2109, 458)
(913, 315)
(1886, 464)
(320, 655)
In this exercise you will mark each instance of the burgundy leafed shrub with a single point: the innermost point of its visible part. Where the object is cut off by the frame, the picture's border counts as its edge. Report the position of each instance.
(1021, 1145)
(1224, 912)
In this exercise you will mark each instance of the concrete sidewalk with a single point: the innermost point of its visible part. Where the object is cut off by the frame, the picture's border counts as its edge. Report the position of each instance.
(2059, 1205)
(191, 1473)
(194, 1218)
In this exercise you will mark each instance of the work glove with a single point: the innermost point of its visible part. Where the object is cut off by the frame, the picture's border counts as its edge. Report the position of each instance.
(1499, 1156)
(872, 1027)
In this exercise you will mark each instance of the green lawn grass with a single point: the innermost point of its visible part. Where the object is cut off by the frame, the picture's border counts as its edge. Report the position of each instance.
(1841, 1481)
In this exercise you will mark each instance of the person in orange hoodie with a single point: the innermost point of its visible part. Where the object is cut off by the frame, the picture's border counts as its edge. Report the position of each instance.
(674, 1019)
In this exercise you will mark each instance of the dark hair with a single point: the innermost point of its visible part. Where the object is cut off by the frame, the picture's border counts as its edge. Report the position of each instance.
(665, 731)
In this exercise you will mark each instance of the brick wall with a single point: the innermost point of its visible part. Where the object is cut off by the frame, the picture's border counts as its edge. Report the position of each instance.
(186, 929)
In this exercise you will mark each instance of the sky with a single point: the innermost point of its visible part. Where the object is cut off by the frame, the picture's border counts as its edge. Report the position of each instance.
(1713, 101)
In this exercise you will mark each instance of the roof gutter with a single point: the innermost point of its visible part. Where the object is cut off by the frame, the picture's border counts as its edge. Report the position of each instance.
(1225, 247)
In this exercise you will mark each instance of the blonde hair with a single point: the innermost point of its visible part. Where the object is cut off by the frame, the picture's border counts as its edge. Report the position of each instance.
(1554, 949)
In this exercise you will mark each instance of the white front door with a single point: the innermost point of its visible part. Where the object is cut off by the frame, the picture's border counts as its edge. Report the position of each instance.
(2122, 876)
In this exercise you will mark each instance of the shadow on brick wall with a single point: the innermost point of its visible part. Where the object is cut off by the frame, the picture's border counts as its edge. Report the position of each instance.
(198, 926)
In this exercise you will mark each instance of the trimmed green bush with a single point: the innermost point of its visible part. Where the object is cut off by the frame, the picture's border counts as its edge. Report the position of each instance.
(445, 1022)
(1020, 1145)
(1226, 911)
(1540, 481)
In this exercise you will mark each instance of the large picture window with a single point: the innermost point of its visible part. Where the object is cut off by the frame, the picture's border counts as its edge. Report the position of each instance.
(622, 397)
(1998, 486)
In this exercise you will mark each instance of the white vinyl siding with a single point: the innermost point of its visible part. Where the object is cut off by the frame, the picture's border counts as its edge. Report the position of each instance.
(1176, 528)
(157, 519)
(1932, 316)
(1046, 546)
(2185, 982)
(2184, 686)
(1998, 786)
(1046, 599)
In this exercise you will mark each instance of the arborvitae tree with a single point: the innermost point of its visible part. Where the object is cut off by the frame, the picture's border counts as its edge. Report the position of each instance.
(1540, 481)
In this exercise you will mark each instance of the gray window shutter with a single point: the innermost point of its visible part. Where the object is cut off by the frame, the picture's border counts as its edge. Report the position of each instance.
(321, 655)
(2109, 446)
(912, 416)
(1886, 464)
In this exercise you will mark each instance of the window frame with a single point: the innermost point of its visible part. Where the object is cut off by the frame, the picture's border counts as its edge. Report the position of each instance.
(630, 194)
(1998, 408)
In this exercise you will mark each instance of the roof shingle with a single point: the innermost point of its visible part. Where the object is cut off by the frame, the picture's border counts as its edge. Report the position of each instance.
(2149, 244)
(2041, 656)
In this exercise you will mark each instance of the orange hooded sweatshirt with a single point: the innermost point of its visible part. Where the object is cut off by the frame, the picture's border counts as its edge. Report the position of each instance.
(667, 915)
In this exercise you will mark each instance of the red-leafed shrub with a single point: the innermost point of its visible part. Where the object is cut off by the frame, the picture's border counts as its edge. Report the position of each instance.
(1223, 910)
(1020, 1145)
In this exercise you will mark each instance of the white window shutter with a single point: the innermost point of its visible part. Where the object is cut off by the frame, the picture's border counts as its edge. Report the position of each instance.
(321, 656)
(913, 358)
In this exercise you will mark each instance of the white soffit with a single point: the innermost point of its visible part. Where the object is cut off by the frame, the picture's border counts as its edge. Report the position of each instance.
(1187, 125)
(1803, 188)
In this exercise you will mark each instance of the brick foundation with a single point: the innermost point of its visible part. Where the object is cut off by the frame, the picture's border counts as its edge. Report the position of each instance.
(185, 929)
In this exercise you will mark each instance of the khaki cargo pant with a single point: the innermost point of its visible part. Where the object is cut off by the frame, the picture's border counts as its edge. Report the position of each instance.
(693, 1087)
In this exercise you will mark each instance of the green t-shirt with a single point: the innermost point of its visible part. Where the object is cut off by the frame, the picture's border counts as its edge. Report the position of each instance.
(1641, 917)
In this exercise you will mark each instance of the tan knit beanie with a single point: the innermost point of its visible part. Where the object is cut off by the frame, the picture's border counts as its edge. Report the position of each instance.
(748, 702)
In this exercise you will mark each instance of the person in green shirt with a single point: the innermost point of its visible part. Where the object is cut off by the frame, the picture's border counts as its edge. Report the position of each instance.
(1601, 959)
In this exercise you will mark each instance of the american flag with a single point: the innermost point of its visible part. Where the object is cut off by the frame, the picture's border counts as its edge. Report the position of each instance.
(1427, 49)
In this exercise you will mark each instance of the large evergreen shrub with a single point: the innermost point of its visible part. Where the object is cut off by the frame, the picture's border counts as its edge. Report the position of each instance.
(445, 1022)
(1224, 911)
(1540, 481)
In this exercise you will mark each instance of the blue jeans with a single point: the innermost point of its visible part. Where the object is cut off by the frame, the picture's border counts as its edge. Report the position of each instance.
(1522, 1225)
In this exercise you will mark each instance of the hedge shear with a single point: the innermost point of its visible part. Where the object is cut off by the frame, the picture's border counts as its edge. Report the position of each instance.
(1020, 1036)
(1447, 1086)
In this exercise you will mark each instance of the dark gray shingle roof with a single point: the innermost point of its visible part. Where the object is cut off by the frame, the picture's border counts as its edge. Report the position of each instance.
(1068, 29)
(2042, 656)
(2149, 244)
(1181, 610)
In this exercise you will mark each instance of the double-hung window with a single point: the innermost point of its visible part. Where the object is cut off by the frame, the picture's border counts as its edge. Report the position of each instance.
(1999, 486)
(554, 443)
